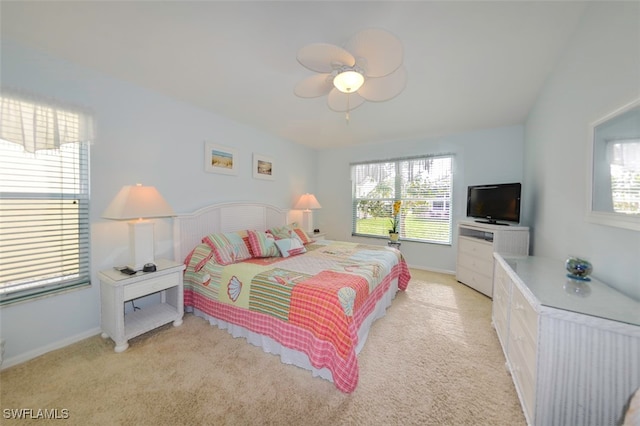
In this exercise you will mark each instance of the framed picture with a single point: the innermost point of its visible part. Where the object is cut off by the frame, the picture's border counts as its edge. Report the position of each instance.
(220, 159)
(262, 167)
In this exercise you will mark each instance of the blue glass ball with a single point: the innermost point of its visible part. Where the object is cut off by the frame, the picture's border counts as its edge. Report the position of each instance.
(579, 269)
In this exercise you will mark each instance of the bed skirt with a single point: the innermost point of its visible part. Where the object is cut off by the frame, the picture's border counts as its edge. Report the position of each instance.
(295, 357)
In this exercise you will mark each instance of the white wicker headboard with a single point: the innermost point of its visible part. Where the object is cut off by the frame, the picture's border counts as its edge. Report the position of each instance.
(188, 229)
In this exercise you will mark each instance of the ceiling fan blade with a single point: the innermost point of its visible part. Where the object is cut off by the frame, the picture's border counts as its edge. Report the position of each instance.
(320, 57)
(377, 51)
(342, 102)
(384, 88)
(315, 86)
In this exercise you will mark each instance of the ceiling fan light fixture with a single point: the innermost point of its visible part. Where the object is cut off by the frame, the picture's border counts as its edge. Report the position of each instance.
(348, 80)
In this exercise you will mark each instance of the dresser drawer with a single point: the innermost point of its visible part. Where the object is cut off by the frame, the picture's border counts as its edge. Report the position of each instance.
(500, 301)
(501, 279)
(523, 312)
(502, 285)
(476, 247)
(472, 278)
(476, 264)
(151, 285)
(524, 343)
(500, 319)
(523, 378)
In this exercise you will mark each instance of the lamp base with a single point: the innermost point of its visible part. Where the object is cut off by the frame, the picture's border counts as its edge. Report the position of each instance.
(140, 244)
(307, 221)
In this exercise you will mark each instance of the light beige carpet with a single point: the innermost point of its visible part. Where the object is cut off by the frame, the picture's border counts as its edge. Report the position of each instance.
(434, 359)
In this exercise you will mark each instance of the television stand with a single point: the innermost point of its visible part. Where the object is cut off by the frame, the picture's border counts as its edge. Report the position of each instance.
(476, 244)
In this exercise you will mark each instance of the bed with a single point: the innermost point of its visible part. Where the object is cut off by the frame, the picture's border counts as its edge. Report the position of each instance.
(251, 271)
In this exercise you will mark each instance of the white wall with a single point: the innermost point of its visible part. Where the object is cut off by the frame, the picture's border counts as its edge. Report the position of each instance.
(482, 157)
(143, 137)
(599, 72)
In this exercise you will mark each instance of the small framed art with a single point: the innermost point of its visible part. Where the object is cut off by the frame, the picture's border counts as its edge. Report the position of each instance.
(220, 159)
(263, 167)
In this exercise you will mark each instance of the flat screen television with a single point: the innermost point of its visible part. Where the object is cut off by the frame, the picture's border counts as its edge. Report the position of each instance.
(494, 203)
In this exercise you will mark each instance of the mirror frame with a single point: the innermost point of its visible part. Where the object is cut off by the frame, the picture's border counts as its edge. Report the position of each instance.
(619, 220)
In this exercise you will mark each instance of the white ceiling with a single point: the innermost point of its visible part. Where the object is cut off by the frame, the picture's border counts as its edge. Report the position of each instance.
(471, 65)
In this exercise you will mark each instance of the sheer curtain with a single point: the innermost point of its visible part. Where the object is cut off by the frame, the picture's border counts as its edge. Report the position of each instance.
(39, 124)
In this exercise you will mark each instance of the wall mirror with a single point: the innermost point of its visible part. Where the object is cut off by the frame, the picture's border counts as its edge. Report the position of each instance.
(614, 169)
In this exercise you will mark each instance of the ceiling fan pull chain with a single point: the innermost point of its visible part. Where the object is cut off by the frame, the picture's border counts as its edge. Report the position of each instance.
(347, 116)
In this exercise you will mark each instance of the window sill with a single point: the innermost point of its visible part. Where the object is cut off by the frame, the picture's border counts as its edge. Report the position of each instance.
(14, 300)
(402, 240)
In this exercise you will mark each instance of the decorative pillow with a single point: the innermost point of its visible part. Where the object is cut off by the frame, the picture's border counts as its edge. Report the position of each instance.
(280, 232)
(300, 233)
(288, 231)
(199, 256)
(262, 244)
(245, 238)
(290, 246)
(227, 247)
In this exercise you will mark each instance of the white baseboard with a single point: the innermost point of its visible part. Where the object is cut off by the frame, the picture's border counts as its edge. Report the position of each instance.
(427, 268)
(18, 359)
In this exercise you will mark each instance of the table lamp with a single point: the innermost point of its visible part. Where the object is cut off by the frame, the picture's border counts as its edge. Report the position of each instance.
(136, 204)
(307, 202)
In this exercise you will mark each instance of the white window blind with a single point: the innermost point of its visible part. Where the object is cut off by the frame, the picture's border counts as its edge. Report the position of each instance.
(44, 214)
(423, 185)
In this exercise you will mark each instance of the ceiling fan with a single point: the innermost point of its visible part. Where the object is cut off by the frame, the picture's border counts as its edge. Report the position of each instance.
(368, 68)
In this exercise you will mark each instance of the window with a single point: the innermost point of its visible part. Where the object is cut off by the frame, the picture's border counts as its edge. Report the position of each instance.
(44, 200)
(614, 169)
(624, 163)
(423, 186)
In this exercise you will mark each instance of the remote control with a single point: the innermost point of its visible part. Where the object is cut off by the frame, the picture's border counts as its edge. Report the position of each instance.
(128, 271)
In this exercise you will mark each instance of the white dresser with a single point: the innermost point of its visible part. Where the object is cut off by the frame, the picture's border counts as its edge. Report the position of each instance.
(573, 348)
(476, 244)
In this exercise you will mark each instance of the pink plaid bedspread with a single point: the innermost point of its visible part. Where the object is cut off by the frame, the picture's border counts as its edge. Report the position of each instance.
(315, 311)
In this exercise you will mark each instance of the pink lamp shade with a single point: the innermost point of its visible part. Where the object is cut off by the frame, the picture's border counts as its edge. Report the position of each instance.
(307, 202)
(136, 203)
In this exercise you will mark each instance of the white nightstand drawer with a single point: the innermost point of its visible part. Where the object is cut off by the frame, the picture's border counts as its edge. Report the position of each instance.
(149, 286)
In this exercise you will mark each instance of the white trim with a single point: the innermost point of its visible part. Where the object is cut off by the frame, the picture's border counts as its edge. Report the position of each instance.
(26, 356)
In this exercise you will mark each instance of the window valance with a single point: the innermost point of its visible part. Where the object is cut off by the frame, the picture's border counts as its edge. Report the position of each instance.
(39, 124)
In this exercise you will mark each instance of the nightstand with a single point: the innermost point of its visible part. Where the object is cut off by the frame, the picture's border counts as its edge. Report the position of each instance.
(117, 288)
(394, 244)
(318, 235)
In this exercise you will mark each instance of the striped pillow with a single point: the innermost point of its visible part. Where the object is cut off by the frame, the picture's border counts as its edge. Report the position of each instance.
(301, 234)
(227, 247)
(199, 256)
(263, 244)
